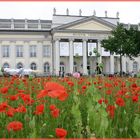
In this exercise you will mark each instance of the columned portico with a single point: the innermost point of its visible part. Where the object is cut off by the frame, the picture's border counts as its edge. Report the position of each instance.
(85, 57)
(71, 50)
(56, 57)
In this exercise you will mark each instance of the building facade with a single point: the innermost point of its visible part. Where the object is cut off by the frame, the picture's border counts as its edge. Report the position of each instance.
(65, 43)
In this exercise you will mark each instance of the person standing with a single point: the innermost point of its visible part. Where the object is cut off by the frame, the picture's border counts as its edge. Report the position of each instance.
(98, 69)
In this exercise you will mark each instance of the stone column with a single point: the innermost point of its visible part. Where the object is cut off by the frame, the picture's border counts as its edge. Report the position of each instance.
(57, 57)
(99, 49)
(84, 47)
(71, 51)
(12, 54)
(40, 56)
(51, 57)
(124, 64)
(26, 54)
(111, 64)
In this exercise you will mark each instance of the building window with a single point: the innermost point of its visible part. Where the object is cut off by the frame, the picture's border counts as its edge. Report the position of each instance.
(46, 67)
(62, 67)
(127, 67)
(19, 51)
(46, 51)
(19, 65)
(135, 66)
(32, 51)
(33, 66)
(6, 65)
(75, 67)
(5, 51)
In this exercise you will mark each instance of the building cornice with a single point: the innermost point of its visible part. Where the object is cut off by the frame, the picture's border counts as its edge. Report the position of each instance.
(23, 39)
(81, 31)
(21, 30)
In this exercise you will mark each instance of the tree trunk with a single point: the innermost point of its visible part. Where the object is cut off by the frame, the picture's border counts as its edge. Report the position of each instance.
(121, 65)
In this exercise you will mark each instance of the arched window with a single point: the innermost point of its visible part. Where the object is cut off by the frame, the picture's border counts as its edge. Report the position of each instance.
(135, 66)
(19, 65)
(46, 67)
(33, 66)
(62, 66)
(6, 65)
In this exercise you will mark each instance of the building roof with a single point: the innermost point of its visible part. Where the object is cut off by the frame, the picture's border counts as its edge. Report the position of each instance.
(25, 24)
(57, 22)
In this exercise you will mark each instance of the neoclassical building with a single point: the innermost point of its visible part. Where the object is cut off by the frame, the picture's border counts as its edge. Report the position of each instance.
(65, 43)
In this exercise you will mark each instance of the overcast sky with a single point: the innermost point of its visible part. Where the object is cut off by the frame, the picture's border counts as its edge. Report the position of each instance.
(129, 11)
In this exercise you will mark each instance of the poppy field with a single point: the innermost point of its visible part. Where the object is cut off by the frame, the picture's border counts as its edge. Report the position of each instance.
(84, 107)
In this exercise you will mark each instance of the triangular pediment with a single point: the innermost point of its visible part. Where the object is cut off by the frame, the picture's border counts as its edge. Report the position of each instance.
(89, 23)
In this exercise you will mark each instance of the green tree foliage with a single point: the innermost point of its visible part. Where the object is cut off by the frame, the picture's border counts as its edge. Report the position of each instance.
(123, 42)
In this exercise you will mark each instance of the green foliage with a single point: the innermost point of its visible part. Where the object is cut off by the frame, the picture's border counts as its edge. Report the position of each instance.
(123, 42)
(136, 126)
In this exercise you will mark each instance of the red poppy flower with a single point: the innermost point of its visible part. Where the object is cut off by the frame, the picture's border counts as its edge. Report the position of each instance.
(39, 109)
(52, 107)
(11, 111)
(3, 107)
(108, 92)
(55, 113)
(84, 87)
(4, 90)
(50, 86)
(21, 109)
(134, 85)
(27, 99)
(15, 126)
(100, 101)
(42, 94)
(120, 102)
(60, 132)
(111, 110)
(13, 97)
(60, 94)
(70, 83)
(135, 98)
(56, 90)
(108, 85)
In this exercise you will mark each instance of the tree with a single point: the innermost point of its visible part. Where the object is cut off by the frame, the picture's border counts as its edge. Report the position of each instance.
(123, 42)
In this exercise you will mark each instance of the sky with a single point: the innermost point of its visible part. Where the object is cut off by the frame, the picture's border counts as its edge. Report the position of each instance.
(129, 12)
